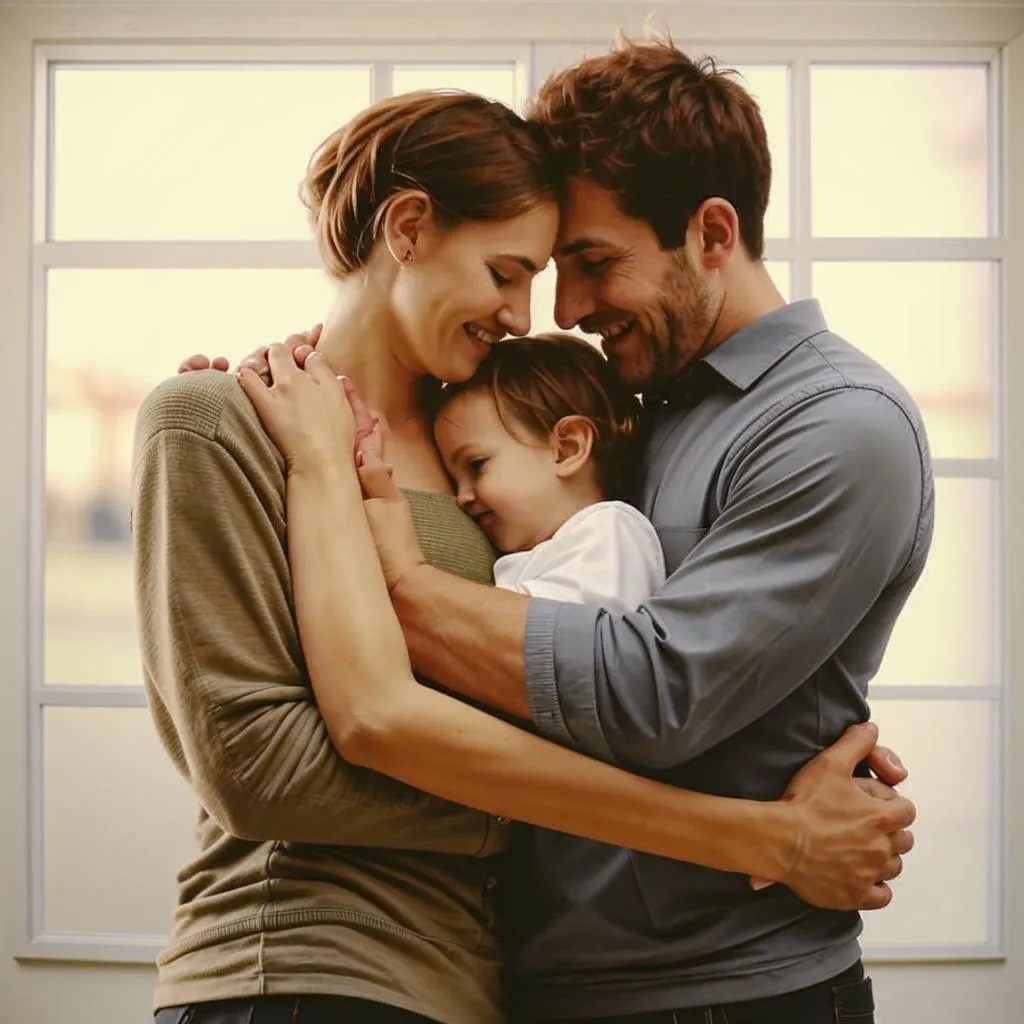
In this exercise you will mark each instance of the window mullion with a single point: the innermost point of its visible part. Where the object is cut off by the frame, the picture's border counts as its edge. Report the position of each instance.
(800, 176)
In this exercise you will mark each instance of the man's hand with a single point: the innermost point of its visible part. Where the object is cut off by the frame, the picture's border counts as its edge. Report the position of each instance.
(886, 766)
(301, 345)
(853, 833)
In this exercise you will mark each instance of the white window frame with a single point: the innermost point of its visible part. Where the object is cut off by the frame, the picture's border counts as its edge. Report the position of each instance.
(941, 22)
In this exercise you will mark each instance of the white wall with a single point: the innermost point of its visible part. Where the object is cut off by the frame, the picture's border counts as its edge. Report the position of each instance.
(55, 993)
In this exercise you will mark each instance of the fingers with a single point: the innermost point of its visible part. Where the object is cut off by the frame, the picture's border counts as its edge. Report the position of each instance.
(196, 362)
(902, 841)
(376, 477)
(876, 789)
(878, 897)
(892, 868)
(887, 766)
(316, 366)
(364, 421)
(853, 746)
(256, 389)
(304, 341)
(281, 361)
(898, 814)
(373, 443)
(257, 362)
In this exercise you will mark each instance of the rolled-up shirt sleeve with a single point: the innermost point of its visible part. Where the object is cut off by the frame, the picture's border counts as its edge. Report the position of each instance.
(821, 509)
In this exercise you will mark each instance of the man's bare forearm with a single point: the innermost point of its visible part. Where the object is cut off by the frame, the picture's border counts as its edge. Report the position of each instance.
(467, 637)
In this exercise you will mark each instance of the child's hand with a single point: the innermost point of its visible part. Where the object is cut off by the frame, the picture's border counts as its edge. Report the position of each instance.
(386, 507)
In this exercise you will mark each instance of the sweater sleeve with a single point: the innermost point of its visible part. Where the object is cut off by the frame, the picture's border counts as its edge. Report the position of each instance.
(222, 662)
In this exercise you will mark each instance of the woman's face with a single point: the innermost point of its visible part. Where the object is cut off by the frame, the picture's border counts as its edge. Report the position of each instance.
(467, 287)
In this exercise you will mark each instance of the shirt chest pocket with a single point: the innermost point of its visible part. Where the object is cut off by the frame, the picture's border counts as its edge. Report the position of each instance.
(677, 542)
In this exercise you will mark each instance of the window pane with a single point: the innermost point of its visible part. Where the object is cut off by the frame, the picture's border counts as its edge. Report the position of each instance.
(161, 153)
(948, 632)
(932, 326)
(942, 896)
(107, 785)
(898, 151)
(495, 81)
(99, 368)
(770, 87)
(780, 272)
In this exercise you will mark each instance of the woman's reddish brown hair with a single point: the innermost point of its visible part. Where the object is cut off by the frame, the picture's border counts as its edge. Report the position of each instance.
(476, 159)
(664, 133)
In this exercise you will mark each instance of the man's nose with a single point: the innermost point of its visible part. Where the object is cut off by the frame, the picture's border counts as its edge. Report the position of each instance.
(572, 304)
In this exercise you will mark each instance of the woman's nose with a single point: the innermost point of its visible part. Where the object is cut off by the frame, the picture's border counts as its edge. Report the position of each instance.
(516, 319)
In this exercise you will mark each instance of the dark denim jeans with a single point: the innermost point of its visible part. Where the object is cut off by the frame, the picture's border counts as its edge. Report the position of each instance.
(289, 1010)
(844, 999)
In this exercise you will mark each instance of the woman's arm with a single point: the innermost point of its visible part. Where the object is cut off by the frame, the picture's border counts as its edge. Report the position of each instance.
(221, 658)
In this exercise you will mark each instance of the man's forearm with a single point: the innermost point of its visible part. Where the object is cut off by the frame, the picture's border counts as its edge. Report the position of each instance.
(466, 637)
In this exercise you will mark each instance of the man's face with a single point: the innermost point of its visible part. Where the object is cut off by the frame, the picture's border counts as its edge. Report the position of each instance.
(654, 308)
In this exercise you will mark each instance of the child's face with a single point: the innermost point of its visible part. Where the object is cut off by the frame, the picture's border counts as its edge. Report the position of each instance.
(508, 484)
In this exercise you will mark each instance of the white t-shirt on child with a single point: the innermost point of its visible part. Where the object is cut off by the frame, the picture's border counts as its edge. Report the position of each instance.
(606, 554)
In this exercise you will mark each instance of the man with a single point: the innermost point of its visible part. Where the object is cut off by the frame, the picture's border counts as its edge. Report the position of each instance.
(788, 477)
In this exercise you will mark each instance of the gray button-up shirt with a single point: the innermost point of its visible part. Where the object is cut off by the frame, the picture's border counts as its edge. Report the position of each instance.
(792, 491)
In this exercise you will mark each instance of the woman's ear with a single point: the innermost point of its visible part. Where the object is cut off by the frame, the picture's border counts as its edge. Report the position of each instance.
(574, 442)
(407, 223)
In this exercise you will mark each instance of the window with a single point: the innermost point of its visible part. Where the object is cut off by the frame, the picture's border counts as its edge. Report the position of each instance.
(173, 225)
(917, 287)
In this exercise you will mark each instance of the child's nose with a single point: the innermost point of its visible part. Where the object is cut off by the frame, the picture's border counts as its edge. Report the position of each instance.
(465, 496)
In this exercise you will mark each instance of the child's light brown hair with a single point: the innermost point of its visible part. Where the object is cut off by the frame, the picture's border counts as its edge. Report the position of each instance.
(539, 380)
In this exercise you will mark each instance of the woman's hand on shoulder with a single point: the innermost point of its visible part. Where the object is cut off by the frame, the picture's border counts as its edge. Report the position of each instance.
(306, 412)
(301, 345)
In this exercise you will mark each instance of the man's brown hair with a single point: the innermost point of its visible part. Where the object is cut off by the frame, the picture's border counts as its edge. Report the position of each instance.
(537, 381)
(664, 133)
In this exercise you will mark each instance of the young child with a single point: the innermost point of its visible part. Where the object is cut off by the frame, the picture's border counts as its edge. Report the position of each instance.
(541, 443)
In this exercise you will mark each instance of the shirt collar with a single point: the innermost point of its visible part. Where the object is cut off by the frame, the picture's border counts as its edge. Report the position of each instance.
(746, 356)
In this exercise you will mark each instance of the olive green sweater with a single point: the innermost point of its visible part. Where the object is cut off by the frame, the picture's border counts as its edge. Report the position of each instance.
(311, 875)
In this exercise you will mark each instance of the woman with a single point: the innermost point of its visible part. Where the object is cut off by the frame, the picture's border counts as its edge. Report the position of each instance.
(433, 212)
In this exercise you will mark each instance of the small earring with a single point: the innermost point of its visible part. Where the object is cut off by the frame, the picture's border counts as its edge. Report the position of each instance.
(408, 256)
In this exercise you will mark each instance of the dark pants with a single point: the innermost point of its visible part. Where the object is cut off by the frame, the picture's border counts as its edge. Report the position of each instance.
(845, 999)
(289, 1010)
